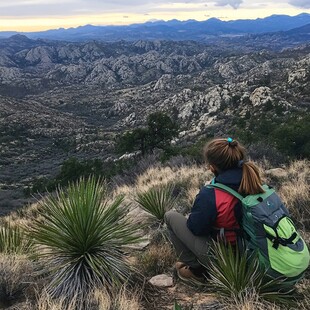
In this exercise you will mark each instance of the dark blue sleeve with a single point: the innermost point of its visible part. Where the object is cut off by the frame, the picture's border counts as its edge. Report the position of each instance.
(204, 213)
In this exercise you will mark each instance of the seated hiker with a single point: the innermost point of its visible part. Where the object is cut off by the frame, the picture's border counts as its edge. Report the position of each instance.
(217, 213)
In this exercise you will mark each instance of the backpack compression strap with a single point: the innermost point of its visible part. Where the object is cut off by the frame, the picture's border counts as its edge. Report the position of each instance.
(226, 189)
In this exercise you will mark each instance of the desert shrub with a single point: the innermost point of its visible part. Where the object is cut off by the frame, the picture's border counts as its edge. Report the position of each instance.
(131, 141)
(235, 275)
(73, 169)
(195, 150)
(83, 234)
(289, 135)
(13, 240)
(264, 150)
(16, 276)
(156, 259)
(157, 201)
(159, 132)
(293, 137)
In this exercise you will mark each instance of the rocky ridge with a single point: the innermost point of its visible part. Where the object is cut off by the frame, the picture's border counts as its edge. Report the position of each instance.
(61, 99)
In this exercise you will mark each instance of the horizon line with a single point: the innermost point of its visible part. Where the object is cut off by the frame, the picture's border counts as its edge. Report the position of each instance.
(154, 21)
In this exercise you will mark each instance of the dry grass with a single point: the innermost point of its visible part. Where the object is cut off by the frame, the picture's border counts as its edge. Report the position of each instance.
(251, 301)
(127, 301)
(189, 176)
(295, 192)
(186, 180)
(46, 302)
(16, 277)
(156, 259)
(99, 299)
(293, 186)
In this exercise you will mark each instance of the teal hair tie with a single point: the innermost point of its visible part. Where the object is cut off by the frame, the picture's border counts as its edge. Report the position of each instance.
(229, 140)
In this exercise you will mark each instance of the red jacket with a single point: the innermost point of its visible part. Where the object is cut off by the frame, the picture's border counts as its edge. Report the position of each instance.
(215, 209)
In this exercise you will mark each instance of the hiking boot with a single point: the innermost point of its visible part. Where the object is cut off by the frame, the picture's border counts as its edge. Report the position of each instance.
(179, 265)
(185, 273)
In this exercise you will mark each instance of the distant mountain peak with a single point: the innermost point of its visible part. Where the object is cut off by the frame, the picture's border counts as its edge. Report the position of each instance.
(19, 37)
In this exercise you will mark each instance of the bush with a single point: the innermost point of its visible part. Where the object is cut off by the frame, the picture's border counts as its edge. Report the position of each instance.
(159, 132)
(293, 137)
(290, 135)
(73, 169)
(156, 259)
(157, 201)
(83, 234)
(16, 278)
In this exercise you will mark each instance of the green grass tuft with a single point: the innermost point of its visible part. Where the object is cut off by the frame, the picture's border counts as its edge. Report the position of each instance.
(157, 201)
(235, 275)
(13, 240)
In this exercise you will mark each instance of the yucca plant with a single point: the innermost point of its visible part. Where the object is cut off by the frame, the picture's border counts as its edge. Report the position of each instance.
(236, 275)
(14, 240)
(176, 306)
(157, 201)
(82, 235)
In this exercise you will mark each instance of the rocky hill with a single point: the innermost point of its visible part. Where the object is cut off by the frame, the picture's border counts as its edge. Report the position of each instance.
(60, 99)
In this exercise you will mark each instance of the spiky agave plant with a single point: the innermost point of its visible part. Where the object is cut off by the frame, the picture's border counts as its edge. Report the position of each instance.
(81, 236)
(157, 200)
(236, 275)
(14, 240)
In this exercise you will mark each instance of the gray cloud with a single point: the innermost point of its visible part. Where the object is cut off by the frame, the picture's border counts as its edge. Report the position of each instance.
(21, 8)
(49, 8)
(305, 4)
(233, 3)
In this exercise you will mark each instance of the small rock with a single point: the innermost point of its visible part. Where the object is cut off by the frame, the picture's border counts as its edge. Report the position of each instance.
(162, 280)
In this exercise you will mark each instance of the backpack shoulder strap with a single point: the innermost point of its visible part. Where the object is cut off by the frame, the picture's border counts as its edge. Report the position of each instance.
(226, 189)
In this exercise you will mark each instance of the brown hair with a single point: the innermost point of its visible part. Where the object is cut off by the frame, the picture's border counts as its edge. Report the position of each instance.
(226, 154)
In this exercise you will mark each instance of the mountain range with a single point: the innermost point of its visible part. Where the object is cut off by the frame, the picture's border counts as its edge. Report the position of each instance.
(61, 99)
(173, 29)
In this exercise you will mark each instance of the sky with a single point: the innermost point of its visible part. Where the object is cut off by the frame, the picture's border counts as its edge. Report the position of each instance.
(36, 15)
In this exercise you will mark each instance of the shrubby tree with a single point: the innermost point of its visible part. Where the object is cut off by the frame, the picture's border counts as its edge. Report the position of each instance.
(131, 141)
(159, 132)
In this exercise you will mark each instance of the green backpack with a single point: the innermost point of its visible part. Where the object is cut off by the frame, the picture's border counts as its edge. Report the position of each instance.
(270, 231)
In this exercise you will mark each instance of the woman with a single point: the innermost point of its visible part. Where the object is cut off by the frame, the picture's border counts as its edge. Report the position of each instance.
(215, 213)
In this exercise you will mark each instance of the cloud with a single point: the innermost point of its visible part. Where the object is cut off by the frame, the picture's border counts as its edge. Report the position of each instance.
(233, 3)
(58, 8)
(305, 4)
(22, 8)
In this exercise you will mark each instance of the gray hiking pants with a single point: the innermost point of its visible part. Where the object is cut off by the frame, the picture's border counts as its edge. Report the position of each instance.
(189, 248)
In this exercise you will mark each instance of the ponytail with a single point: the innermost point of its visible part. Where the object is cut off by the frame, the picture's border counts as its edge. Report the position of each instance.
(227, 154)
(251, 182)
